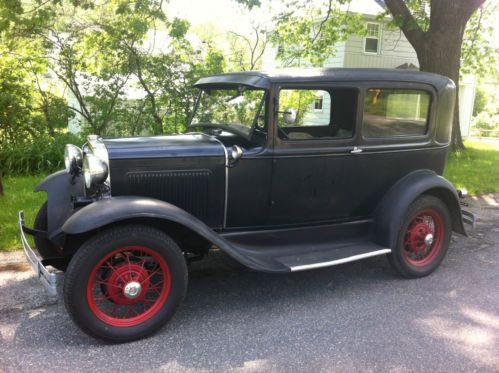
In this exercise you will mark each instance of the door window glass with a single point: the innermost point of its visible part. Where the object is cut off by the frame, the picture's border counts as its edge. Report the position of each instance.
(316, 113)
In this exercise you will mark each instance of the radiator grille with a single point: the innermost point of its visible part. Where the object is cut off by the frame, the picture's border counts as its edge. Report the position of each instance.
(188, 190)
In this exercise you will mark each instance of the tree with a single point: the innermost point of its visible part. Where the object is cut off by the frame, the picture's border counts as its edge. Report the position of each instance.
(436, 32)
(435, 29)
(247, 51)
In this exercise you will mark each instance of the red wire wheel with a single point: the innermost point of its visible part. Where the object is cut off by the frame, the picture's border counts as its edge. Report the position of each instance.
(129, 286)
(424, 238)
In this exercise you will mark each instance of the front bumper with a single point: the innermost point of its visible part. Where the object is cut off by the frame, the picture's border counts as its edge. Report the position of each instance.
(47, 278)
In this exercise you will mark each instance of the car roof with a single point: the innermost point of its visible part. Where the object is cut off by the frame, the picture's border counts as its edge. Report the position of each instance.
(263, 79)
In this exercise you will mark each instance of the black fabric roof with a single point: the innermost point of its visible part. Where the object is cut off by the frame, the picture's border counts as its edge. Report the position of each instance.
(263, 79)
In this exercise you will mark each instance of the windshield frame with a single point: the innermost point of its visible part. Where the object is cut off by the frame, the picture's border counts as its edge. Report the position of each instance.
(222, 126)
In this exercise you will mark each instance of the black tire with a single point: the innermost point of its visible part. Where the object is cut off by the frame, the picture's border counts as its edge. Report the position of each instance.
(413, 257)
(45, 247)
(89, 257)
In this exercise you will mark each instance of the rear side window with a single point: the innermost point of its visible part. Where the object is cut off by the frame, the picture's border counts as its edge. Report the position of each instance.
(395, 112)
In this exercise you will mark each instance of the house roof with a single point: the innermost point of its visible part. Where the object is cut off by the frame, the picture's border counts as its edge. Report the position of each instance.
(263, 79)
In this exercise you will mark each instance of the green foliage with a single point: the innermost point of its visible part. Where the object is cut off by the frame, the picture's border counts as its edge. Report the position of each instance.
(301, 100)
(486, 124)
(311, 34)
(480, 101)
(43, 155)
(479, 54)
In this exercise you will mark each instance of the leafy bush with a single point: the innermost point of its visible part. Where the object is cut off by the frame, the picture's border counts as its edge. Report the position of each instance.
(45, 154)
(480, 101)
(484, 123)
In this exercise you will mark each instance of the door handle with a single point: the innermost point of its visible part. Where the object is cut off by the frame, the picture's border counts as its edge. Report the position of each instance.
(356, 150)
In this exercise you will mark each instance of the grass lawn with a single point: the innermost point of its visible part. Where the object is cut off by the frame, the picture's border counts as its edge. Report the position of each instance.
(19, 195)
(476, 169)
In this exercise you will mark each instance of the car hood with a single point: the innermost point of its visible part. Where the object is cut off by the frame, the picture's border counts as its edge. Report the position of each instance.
(188, 145)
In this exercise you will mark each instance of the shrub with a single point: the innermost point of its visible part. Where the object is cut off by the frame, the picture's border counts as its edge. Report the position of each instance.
(485, 124)
(45, 154)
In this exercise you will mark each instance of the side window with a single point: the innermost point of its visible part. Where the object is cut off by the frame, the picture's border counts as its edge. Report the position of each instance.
(316, 113)
(395, 112)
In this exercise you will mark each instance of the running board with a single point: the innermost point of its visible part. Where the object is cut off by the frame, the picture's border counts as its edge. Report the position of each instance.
(348, 259)
(299, 249)
(348, 252)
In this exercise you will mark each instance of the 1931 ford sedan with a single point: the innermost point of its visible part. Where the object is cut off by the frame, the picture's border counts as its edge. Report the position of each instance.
(283, 171)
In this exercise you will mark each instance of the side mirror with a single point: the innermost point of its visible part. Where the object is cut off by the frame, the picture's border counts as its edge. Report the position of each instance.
(289, 116)
(236, 153)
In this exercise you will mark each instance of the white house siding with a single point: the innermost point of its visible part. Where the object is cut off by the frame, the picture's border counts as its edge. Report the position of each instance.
(395, 50)
(467, 90)
(319, 117)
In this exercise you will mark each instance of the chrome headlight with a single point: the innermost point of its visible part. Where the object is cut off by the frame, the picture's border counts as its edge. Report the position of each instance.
(73, 157)
(95, 170)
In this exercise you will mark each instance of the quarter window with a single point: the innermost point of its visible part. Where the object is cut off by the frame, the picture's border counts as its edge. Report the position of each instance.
(371, 40)
(395, 112)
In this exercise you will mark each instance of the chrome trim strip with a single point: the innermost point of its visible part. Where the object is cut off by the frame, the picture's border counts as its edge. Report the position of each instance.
(226, 177)
(340, 261)
(48, 279)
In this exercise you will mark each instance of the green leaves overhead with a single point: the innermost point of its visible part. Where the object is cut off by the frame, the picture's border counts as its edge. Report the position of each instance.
(309, 33)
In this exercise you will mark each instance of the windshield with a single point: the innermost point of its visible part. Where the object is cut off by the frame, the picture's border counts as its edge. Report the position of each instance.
(237, 108)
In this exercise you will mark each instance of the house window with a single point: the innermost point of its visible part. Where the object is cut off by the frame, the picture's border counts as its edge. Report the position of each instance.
(318, 103)
(371, 40)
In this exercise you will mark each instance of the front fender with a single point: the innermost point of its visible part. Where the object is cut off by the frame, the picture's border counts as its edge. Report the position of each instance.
(392, 208)
(115, 209)
(60, 187)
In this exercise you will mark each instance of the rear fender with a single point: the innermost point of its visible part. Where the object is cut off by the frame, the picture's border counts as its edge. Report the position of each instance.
(392, 208)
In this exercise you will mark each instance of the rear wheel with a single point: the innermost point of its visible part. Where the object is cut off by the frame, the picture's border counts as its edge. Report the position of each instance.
(125, 283)
(423, 239)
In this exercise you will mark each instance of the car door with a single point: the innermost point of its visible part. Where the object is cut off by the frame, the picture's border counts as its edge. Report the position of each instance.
(313, 163)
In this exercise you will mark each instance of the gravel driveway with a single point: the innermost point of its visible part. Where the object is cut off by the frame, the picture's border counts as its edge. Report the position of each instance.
(354, 317)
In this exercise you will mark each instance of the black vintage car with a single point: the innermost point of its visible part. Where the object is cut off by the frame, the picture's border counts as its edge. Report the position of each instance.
(283, 171)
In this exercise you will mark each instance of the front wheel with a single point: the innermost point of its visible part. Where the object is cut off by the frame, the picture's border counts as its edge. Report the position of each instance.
(423, 239)
(125, 283)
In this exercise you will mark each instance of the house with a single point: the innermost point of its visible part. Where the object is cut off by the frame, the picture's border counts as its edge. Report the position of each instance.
(382, 47)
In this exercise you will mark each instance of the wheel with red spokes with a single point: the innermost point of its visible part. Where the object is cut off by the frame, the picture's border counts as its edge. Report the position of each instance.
(423, 239)
(125, 283)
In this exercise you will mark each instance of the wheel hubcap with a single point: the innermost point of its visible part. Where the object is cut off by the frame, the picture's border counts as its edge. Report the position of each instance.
(428, 239)
(132, 290)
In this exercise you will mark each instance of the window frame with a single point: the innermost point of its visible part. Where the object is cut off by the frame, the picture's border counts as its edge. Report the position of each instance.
(317, 143)
(378, 50)
(399, 139)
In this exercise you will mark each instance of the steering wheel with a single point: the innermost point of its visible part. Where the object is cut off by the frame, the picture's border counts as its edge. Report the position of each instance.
(282, 133)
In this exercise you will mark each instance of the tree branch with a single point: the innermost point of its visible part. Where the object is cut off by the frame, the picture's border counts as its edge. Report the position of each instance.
(409, 25)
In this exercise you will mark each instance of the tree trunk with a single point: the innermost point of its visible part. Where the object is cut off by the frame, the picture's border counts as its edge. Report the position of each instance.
(442, 56)
(439, 48)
